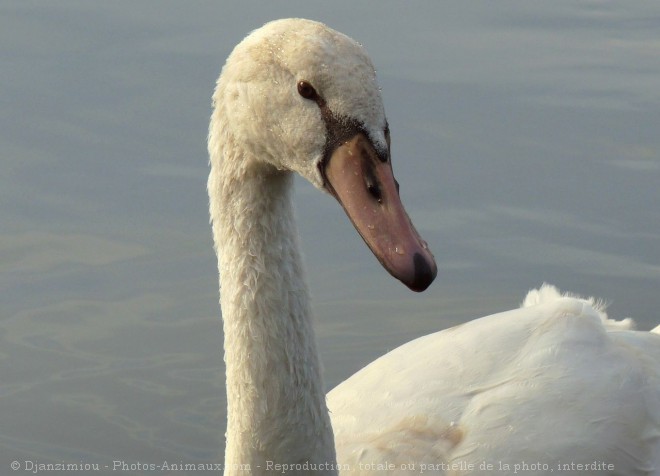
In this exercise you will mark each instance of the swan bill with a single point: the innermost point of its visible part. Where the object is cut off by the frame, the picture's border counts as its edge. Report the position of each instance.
(364, 185)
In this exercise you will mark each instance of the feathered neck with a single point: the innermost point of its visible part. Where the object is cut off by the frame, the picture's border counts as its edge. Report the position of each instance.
(276, 401)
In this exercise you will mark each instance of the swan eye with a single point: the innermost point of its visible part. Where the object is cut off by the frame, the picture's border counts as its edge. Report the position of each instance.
(306, 90)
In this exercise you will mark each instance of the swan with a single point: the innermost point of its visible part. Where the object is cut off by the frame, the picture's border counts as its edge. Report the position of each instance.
(554, 386)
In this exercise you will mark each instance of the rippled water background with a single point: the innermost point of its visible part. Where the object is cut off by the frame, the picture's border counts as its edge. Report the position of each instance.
(525, 139)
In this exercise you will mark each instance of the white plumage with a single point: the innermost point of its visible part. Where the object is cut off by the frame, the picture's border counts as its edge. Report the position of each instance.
(552, 382)
(551, 387)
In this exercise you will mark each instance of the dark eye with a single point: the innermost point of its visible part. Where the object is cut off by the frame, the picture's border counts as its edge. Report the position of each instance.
(306, 90)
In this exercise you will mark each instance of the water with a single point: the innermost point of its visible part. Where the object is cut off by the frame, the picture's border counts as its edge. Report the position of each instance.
(524, 138)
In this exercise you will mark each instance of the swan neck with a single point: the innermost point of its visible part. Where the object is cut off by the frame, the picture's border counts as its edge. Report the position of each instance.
(276, 400)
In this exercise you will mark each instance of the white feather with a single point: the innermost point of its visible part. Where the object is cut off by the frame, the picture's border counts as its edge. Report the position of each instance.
(552, 382)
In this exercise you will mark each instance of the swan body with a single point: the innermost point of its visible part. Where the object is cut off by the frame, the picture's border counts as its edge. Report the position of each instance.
(555, 381)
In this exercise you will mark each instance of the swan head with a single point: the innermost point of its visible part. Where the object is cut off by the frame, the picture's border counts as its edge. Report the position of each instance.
(300, 96)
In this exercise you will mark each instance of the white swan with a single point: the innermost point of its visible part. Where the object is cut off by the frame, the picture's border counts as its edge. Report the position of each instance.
(553, 383)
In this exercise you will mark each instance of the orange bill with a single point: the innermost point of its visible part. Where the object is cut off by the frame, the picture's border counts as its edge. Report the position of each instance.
(363, 182)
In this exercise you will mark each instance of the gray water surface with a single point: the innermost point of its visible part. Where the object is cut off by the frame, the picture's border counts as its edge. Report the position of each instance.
(525, 138)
